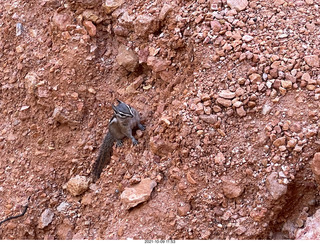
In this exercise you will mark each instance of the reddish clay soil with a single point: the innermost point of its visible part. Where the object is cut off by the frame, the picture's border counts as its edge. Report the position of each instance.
(229, 93)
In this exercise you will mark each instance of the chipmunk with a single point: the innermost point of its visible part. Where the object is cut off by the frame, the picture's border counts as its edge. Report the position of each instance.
(124, 120)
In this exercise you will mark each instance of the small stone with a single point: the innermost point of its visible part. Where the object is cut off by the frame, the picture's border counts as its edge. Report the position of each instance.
(46, 218)
(184, 209)
(312, 60)
(61, 20)
(231, 189)
(127, 58)
(279, 142)
(292, 143)
(132, 196)
(63, 206)
(19, 29)
(219, 158)
(224, 102)
(111, 5)
(286, 84)
(215, 26)
(210, 119)
(240, 230)
(145, 25)
(241, 112)
(165, 10)
(247, 38)
(77, 185)
(227, 94)
(315, 166)
(238, 5)
(90, 27)
(254, 78)
(274, 187)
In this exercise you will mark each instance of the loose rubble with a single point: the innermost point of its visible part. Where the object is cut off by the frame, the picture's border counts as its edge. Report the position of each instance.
(228, 91)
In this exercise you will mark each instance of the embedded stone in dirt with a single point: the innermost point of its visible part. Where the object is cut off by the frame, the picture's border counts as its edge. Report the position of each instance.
(165, 11)
(90, 27)
(312, 60)
(311, 231)
(227, 94)
(238, 5)
(315, 166)
(77, 185)
(231, 188)
(132, 196)
(46, 218)
(145, 25)
(274, 187)
(210, 119)
(127, 58)
(224, 102)
(184, 209)
(61, 20)
(111, 5)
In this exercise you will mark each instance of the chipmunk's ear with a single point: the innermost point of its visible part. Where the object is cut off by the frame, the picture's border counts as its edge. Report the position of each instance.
(114, 108)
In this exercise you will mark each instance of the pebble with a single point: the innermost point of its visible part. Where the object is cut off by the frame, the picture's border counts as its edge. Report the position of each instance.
(183, 209)
(315, 167)
(280, 141)
(287, 84)
(224, 102)
(63, 206)
(312, 60)
(127, 58)
(241, 112)
(238, 5)
(77, 185)
(254, 78)
(111, 5)
(247, 38)
(210, 119)
(227, 94)
(165, 10)
(90, 27)
(231, 189)
(274, 187)
(19, 29)
(145, 25)
(132, 196)
(46, 218)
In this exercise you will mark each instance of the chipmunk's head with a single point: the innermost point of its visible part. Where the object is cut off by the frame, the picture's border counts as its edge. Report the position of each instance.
(122, 110)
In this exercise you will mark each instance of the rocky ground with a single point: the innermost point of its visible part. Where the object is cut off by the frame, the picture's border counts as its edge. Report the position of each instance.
(228, 90)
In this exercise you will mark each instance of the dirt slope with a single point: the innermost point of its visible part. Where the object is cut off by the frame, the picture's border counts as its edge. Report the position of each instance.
(228, 91)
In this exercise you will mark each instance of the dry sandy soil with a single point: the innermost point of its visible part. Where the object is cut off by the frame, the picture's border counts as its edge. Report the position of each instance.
(229, 93)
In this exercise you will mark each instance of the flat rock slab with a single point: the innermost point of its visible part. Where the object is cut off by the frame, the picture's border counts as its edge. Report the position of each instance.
(132, 196)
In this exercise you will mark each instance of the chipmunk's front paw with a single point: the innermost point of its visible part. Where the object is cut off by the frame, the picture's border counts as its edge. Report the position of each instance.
(141, 127)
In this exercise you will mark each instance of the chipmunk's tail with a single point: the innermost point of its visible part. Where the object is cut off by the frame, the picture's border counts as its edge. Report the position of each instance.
(104, 156)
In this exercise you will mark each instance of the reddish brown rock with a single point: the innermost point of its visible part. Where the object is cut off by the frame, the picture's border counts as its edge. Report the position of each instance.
(224, 102)
(77, 185)
(254, 78)
(61, 20)
(227, 94)
(145, 25)
(90, 27)
(111, 5)
(139, 193)
(238, 5)
(312, 60)
(183, 209)
(275, 188)
(315, 166)
(280, 142)
(127, 58)
(231, 188)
